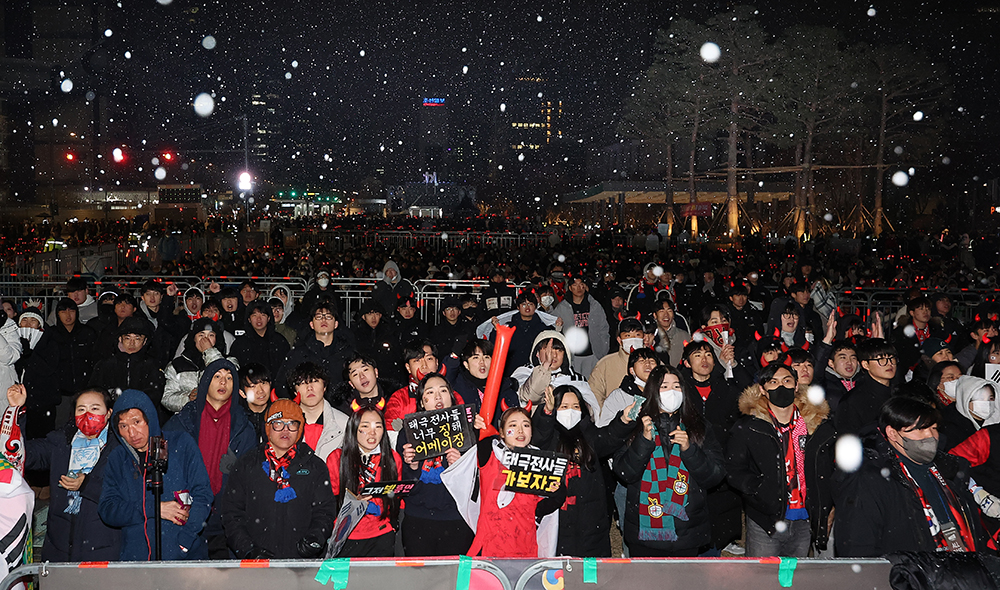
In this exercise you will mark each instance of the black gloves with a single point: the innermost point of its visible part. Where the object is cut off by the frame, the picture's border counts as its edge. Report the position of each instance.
(310, 547)
(259, 553)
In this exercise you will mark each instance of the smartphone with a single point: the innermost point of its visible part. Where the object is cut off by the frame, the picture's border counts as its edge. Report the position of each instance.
(634, 412)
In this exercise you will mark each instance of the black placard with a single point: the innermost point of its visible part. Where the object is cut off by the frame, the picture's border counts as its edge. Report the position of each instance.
(433, 433)
(531, 471)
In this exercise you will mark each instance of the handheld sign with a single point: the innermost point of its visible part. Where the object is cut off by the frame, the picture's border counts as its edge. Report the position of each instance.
(388, 488)
(530, 471)
(433, 433)
(350, 515)
(993, 372)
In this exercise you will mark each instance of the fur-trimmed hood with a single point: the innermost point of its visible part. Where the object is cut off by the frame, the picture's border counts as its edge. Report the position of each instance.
(753, 404)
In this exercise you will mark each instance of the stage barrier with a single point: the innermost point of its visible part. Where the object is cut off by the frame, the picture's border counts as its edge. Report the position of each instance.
(465, 574)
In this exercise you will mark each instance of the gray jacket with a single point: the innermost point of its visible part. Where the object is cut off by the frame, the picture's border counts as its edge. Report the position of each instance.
(597, 328)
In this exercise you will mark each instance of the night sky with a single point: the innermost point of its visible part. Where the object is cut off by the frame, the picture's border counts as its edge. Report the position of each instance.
(349, 75)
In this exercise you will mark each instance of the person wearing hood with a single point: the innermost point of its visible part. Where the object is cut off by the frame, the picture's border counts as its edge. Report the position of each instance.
(975, 407)
(780, 460)
(611, 369)
(130, 367)
(376, 336)
(907, 495)
(581, 310)
(77, 290)
(220, 428)
(261, 343)
(30, 328)
(233, 313)
(284, 295)
(105, 312)
(278, 312)
(194, 298)
(328, 346)
(287, 509)
(670, 462)
(248, 292)
(203, 346)
(255, 395)
(565, 425)
(798, 302)
(127, 504)
(166, 334)
(392, 287)
(321, 290)
(551, 366)
(75, 457)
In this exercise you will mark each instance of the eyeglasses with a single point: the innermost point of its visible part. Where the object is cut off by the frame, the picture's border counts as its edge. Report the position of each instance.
(278, 425)
(323, 316)
(885, 360)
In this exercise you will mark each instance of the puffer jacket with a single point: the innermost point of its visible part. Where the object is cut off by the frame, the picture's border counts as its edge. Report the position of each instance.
(183, 373)
(10, 352)
(756, 466)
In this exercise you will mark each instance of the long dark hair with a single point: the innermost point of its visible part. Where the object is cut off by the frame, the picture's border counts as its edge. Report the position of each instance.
(572, 442)
(983, 357)
(423, 385)
(350, 460)
(690, 410)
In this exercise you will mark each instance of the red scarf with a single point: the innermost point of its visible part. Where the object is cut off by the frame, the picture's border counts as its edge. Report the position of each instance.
(795, 471)
(954, 507)
(943, 399)
(922, 334)
(277, 469)
(213, 440)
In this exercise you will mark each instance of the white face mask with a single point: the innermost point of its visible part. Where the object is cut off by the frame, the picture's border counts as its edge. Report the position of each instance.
(548, 300)
(630, 344)
(323, 282)
(950, 388)
(640, 383)
(982, 409)
(569, 418)
(671, 400)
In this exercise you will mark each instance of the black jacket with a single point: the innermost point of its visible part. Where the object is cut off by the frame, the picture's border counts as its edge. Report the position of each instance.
(253, 519)
(722, 406)
(878, 514)
(382, 344)
(331, 358)
(73, 537)
(756, 463)
(860, 408)
(268, 350)
(584, 521)
(75, 355)
(450, 339)
(705, 468)
(132, 371)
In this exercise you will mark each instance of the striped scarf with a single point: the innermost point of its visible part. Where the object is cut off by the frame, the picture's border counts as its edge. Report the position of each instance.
(663, 477)
(277, 469)
(792, 436)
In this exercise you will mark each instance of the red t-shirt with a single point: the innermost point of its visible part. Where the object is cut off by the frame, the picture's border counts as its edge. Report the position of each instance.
(311, 434)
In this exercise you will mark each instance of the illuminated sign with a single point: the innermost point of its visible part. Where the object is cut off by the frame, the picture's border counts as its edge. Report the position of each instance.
(433, 102)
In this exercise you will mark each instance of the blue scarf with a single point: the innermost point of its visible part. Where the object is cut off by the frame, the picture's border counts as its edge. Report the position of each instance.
(83, 456)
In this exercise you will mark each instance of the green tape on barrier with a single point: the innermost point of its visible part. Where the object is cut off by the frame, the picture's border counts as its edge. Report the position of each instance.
(590, 570)
(786, 571)
(464, 572)
(338, 570)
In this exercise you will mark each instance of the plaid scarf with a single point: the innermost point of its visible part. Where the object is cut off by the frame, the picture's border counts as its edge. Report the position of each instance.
(968, 542)
(795, 472)
(277, 469)
(656, 520)
(922, 334)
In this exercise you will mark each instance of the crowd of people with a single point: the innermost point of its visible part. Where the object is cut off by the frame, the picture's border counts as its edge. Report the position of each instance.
(696, 417)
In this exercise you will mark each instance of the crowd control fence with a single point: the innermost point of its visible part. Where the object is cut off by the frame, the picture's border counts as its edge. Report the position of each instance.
(463, 574)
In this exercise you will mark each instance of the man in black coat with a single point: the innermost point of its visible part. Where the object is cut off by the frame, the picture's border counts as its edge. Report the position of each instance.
(167, 329)
(131, 367)
(907, 495)
(454, 330)
(260, 343)
(376, 337)
(329, 346)
(859, 409)
(288, 510)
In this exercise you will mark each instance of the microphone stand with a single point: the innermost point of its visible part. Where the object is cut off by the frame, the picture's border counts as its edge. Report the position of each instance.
(156, 465)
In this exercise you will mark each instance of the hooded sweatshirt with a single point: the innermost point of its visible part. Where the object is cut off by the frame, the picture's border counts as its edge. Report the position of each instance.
(533, 378)
(127, 504)
(184, 372)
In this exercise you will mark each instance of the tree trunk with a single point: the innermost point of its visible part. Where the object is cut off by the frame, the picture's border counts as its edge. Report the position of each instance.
(880, 164)
(670, 188)
(732, 204)
(692, 192)
(800, 226)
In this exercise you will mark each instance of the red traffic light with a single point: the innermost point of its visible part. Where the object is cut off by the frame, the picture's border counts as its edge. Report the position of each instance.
(70, 156)
(118, 155)
(168, 156)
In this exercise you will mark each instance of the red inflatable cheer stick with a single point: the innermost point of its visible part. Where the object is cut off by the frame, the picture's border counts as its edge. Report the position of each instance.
(494, 378)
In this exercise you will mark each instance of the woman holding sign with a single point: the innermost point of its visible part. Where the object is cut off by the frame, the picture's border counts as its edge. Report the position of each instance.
(433, 524)
(566, 426)
(506, 523)
(669, 464)
(367, 458)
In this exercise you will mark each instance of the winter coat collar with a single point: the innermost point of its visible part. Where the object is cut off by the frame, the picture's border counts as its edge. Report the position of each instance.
(753, 404)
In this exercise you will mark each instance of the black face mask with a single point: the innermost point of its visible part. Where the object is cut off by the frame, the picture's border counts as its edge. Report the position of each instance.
(781, 397)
